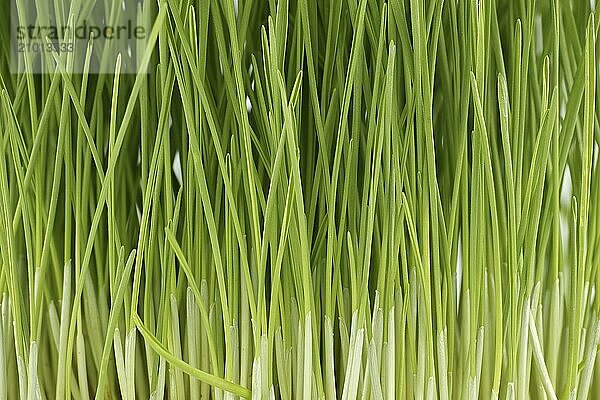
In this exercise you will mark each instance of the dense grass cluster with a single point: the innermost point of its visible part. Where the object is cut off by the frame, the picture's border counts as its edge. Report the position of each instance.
(305, 199)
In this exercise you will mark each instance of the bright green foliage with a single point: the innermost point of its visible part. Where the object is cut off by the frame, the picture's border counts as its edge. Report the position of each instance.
(305, 199)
